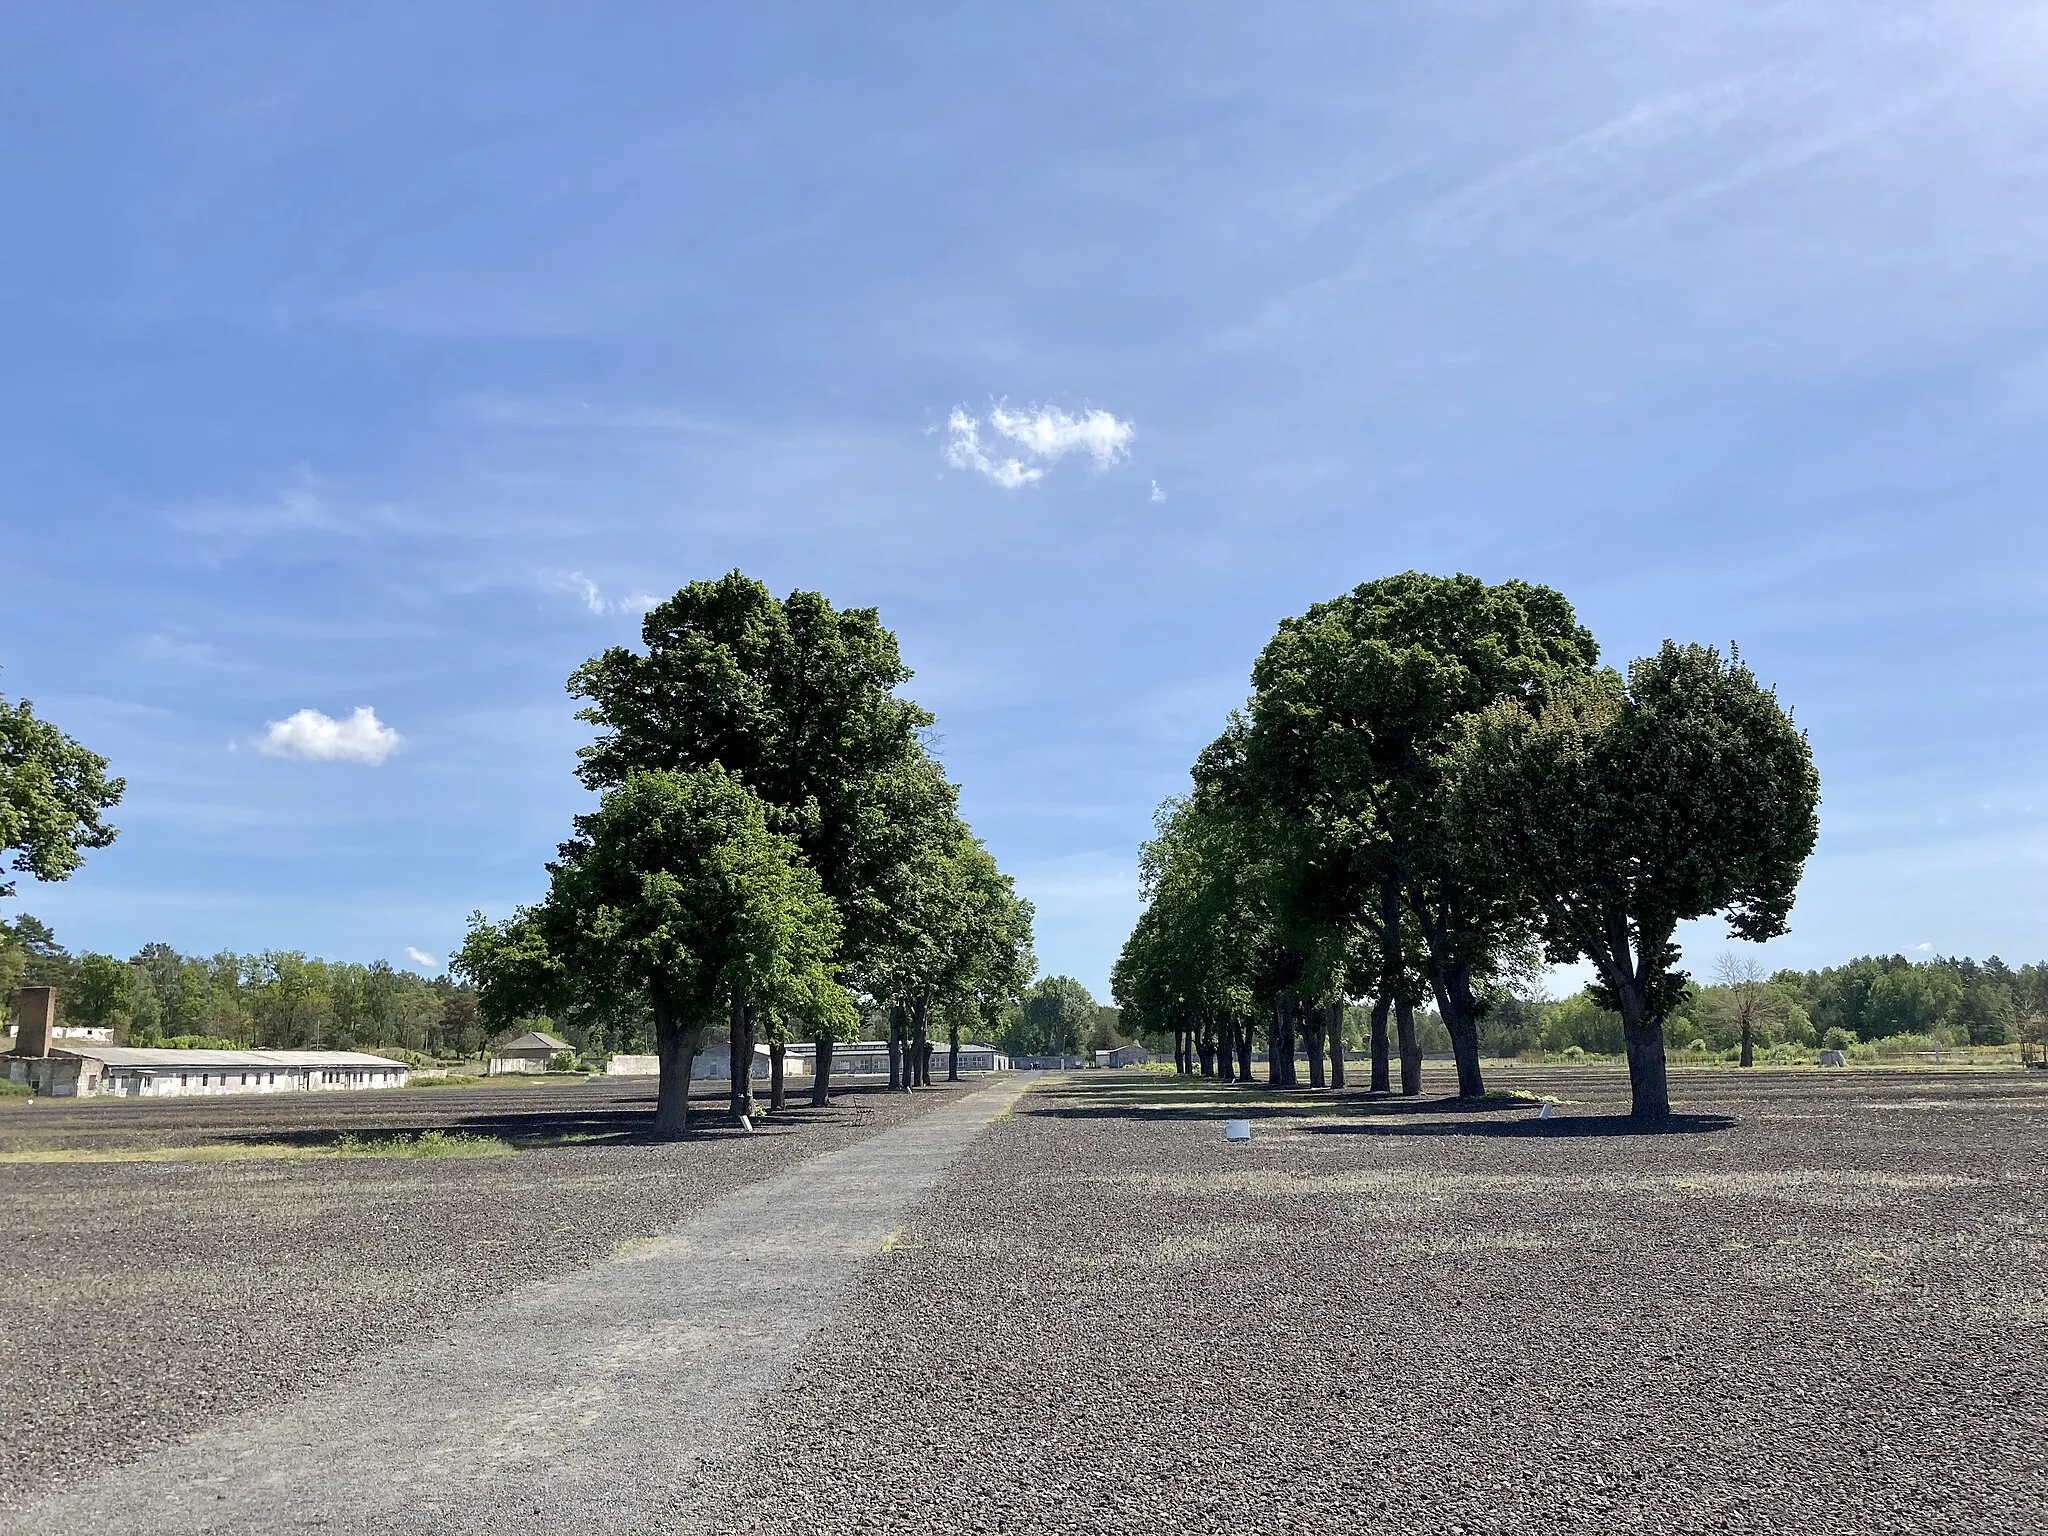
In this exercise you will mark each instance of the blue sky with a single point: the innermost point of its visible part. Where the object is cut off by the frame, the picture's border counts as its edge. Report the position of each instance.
(382, 357)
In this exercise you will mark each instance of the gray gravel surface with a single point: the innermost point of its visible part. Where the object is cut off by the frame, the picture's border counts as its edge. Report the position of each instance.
(586, 1403)
(1818, 1304)
(146, 1300)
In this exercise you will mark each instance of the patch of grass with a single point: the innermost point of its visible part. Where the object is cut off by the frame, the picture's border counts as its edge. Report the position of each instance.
(636, 1248)
(432, 1145)
(452, 1080)
(428, 1145)
(16, 1091)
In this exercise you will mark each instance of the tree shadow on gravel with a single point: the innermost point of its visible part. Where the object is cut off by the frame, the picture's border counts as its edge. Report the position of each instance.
(543, 1125)
(1563, 1126)
(1295, 1105)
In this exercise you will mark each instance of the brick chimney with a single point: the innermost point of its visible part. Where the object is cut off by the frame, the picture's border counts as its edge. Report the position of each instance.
(35, 1020)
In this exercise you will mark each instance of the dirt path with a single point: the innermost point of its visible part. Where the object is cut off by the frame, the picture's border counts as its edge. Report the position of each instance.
(585, 1404)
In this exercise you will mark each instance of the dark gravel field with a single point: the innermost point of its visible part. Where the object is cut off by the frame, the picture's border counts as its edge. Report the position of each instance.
(1818, 1304)
(146, 1299)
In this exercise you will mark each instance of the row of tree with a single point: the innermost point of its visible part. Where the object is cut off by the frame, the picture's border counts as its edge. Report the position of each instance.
(278, 999)
(774, 845)
(1434, 788)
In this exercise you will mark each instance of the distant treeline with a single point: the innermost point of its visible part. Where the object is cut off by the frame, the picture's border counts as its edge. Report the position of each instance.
(1871, 1000)
(278, 999)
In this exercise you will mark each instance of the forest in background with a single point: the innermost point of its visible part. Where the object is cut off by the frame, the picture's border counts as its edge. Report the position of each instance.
(285, 1000)
(273, 1000)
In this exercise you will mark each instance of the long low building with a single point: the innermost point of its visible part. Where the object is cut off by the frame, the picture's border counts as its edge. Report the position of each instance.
(81, 1070)
(852, 1058)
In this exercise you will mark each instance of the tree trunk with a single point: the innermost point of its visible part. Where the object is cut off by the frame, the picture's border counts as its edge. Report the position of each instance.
(1280, 1055)
(675, 1048)
(953, 1041)
(895, 1048)
(1183, 1050)
(1411, 1048)
(1312, 1020)
(1642, 1037)
(1382, 1080)
(775, 1049)
(1336, 1028)
(1205, 1047)
(821, 1072)
(1748, 1046)
(1225, 1034)
(741, 1102)
(1453, 986)
(1243, 1030)
(922, 1053)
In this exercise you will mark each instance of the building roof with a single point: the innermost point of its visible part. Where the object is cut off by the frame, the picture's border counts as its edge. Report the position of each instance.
(200, 1061)
(533, 1042)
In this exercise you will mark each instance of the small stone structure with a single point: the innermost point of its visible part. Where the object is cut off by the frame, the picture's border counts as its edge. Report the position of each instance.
(528, 1053)
(1123, 1056)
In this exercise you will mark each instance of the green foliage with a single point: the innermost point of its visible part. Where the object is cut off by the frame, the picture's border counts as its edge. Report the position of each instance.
(1055, 1018)
(1580, 1022)
(676, 897)
(796, 701)
(1511, 1022)
(53, 796)
(279, 999)
(1615, 809)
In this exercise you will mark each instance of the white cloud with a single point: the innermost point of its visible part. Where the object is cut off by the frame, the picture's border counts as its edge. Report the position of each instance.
(1157, 494)
(592, 596)
(422, 959)
(313, 737)
(1045, 433)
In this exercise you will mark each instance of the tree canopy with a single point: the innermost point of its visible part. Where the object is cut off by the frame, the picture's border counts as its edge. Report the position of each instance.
(53, 798)
(1432, 786)
(1613, 810)
(675, 895)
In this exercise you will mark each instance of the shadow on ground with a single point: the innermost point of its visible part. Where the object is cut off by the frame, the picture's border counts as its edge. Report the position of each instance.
(557, 1124)
(1358, 1112)
(1259, 1103)
(1528, 1125)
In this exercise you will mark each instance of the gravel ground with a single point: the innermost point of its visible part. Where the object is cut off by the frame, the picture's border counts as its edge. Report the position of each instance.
(1818, 1304)
(145, 1300)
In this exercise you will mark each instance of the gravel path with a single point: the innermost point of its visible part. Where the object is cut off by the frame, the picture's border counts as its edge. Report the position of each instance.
(147, 1300)
(1819, 1305)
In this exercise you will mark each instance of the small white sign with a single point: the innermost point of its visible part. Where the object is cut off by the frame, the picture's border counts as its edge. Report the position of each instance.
(1543, 1113)
(1237, 1130)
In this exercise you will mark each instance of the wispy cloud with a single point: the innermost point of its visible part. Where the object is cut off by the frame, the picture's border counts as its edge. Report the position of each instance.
(1157, 494)
(293, 512)
(1037, 438)
(591, 595)
(311, 737)
(191, 653)
(422, 959)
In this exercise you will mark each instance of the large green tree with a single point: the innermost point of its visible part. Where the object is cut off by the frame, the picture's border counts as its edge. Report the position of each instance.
(677, 896)
(1612, 810)
(53, 798)
(1354, 704)
(797, 700)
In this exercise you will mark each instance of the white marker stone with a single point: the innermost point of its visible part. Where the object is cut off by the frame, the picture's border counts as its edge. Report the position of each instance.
(1543, 1113)
(1237, 1130)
